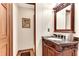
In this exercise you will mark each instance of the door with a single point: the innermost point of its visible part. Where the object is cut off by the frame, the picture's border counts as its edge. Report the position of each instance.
(5, 30)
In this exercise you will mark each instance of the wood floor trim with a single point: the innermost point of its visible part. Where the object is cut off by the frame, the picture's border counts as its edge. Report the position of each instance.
(25, 50)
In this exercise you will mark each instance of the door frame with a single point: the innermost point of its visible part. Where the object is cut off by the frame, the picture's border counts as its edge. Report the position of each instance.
(34, 4)
(11, 29)
(35, 28)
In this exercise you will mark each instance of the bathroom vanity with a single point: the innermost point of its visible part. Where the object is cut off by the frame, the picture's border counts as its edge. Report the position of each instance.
(52, 47)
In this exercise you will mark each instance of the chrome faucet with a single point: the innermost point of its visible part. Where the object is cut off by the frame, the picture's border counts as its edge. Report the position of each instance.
(64, 38)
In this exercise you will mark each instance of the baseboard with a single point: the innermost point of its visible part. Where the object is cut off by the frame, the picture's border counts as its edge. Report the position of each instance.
(25, 50)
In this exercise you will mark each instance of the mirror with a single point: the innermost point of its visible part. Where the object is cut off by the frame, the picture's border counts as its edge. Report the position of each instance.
(64, 17)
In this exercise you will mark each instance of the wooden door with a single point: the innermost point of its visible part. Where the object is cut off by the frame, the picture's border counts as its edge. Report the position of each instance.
(5, 30)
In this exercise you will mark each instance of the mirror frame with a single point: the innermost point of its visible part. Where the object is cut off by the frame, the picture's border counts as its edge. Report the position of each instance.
(59, 8)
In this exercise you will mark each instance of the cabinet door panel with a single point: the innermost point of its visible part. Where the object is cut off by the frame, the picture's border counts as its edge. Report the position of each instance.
(68, 52)
(45, 50)
(51, 52)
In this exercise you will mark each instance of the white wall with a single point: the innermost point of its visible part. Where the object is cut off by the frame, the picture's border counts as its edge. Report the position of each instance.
(26, 35)
(77, 22)
(43, 22)
(38, 29)
(15, 29)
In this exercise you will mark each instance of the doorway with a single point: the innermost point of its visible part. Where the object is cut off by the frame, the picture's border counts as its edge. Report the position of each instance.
(25, 31)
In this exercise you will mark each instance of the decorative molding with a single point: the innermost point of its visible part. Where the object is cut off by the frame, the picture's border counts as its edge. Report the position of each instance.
(61, 6)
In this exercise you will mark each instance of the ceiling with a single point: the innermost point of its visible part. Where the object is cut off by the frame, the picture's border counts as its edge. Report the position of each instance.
(44, 5)
(48, 5)
(25, 5)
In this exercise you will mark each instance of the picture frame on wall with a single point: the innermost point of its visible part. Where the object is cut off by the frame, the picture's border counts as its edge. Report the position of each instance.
(25, 22)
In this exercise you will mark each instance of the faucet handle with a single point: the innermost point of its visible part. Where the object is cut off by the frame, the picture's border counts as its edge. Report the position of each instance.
(64, 37)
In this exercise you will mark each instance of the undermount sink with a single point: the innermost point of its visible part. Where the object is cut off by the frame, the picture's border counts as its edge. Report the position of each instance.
(54, 39)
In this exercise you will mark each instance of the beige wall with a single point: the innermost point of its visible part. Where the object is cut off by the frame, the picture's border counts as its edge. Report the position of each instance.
(26, 35)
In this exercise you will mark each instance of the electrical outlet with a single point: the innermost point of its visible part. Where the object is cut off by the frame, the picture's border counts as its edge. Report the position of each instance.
(48, 30)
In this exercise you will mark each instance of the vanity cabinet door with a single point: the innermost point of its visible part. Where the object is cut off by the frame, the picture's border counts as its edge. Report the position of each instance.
(69, 52)
(53, 52)
(45, 50)
(49, 51)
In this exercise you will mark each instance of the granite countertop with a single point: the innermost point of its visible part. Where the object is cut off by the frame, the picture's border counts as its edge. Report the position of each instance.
(60, 42)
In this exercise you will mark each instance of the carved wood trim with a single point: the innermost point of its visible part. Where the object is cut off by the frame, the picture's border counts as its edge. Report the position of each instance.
(61, 6)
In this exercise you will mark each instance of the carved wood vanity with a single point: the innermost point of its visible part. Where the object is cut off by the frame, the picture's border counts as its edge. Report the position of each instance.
(56, 48)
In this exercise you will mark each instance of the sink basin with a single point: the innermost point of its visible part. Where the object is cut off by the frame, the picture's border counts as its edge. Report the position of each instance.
(54, 39)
